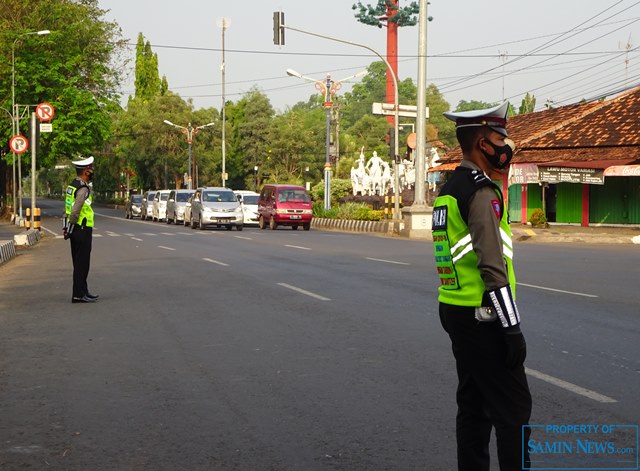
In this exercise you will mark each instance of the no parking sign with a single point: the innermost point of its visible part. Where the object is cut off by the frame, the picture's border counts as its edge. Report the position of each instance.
(45, 111)
(18, 144)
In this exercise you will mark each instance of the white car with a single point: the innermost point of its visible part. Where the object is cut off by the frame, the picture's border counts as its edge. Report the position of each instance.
(176, 205)
(214, 206)
(159, 211)
(249, 202)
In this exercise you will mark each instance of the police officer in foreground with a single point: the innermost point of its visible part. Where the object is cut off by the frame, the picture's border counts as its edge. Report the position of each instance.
(474, 259)
(79, 227)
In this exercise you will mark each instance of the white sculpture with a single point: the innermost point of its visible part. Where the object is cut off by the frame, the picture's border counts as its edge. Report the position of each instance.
(377, 177)
(358, 175)
(374, 167)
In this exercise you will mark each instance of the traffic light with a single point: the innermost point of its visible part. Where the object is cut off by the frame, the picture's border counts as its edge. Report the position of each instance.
(278, 28)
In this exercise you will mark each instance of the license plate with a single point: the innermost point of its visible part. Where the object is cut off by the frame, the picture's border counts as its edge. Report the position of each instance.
(221, 221)
(296, 217)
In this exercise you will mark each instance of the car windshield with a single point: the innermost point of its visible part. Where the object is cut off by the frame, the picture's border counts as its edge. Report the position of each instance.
(164, 196)
(219, 197)
(293, 196)
(250, 199)
(136, 199)
(182, 197)
(151, 195)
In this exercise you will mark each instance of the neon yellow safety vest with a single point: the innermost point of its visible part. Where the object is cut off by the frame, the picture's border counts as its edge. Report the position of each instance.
(86, 212)
(456, 261)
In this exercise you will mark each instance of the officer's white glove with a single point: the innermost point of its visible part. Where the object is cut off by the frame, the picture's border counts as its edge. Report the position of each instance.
(67, 231)
(501, 300)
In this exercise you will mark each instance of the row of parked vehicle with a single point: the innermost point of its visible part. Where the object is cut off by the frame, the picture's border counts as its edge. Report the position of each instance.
(286, 205)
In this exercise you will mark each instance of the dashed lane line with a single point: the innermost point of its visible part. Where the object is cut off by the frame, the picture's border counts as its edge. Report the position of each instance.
(165, 248)
(558, 290)
(303, 291)
(569, 386)
(242, 237)
(215, 261)
(297, 247)
(387, 261)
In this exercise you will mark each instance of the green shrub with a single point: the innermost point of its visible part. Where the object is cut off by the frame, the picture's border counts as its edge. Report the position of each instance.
(357, 211)
(339, 189)
(538, 218)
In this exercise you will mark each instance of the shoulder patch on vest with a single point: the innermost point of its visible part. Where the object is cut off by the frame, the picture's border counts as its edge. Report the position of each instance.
(497, 208)
(439, 218)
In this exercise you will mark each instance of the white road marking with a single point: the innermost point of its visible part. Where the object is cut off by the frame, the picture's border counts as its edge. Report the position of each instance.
(165, 248)
(387, 261)
(97, 235)
(297, 247)
(128, 234)
(185, 233)
(135, 238)
(149, 233)
(215, 261)
(305, 292)
(242, 237)
(52, 233)
(168, 233)
(558, 290)
(112, 234)
(569, 386)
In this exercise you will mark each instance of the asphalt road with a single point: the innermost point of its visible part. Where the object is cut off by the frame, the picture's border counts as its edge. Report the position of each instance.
(283, 350)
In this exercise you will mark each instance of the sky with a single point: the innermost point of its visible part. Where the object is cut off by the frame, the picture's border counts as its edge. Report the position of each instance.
(561, 51)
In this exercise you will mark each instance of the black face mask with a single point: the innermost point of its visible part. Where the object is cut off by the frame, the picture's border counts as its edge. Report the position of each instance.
(502, 156)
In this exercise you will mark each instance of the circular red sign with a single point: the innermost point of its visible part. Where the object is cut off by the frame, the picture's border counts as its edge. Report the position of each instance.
(45, 111)
(19, 144)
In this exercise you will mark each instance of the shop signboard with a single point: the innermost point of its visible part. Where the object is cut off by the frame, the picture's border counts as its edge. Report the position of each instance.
(593, 176)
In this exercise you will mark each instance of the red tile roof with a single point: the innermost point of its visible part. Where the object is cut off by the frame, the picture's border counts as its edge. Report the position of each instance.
(594, 134)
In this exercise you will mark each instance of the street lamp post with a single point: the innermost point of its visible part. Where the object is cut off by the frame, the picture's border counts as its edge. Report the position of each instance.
(190, 131)
(327, 88)
(14, 113)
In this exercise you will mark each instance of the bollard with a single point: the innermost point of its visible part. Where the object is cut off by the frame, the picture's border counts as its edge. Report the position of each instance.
(36, 218)
(27, 221)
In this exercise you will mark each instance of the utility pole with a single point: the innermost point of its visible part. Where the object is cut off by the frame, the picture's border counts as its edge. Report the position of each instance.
(224, 23)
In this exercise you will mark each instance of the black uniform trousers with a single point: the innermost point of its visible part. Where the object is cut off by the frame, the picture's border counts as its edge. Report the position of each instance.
(81, 255)
(489, 394)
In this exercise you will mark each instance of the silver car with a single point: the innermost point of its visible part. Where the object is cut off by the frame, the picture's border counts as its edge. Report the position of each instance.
(159, 210)
(216, 206)
(176, 205)
(147, 205)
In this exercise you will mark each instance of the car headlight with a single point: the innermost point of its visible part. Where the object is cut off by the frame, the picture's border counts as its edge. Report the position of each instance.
(307, 211)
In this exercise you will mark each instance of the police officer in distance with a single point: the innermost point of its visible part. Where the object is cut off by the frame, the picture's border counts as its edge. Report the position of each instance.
(474, 259)
(79, 228)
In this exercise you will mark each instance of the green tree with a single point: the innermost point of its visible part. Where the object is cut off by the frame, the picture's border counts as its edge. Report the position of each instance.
(464, 105)
(76, 68)
(250, 122)
(147, 82)
(528, 104)
(376, 15)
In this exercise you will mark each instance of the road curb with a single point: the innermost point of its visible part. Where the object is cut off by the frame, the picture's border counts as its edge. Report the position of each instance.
(350, 225)
(29, 238)
(7, 250)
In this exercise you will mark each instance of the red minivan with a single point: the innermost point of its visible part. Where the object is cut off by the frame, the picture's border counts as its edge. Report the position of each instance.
(284, 205)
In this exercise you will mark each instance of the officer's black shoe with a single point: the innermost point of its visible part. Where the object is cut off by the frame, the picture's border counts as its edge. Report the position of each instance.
(93, 296)
(83, 299)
